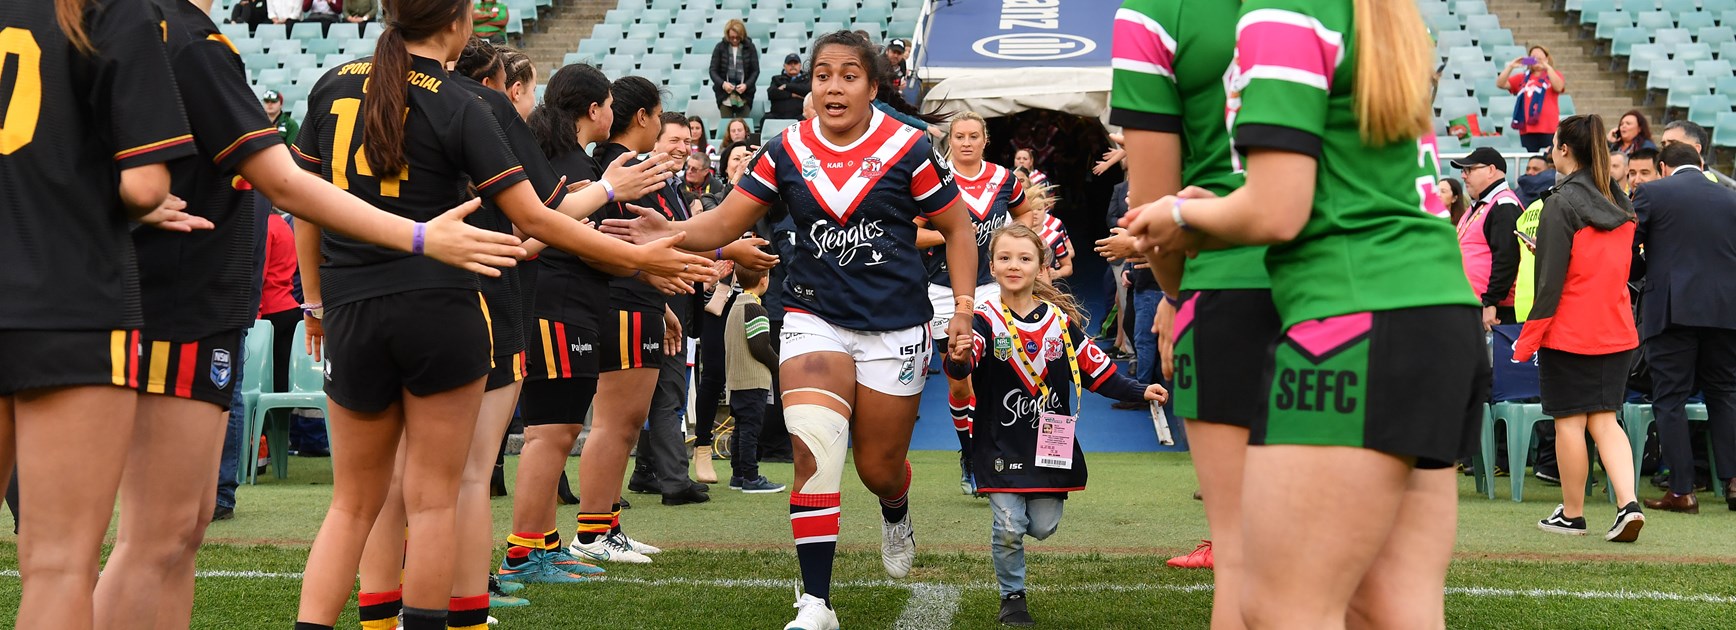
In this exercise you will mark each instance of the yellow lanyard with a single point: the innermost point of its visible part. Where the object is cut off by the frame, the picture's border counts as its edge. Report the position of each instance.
(1028, 366)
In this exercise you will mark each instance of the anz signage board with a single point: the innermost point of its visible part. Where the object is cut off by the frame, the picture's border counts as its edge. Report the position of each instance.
(1020, 33)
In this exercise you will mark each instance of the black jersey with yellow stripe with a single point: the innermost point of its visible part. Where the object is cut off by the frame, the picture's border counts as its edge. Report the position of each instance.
(197, 284)
(567, 288)
(69, 123)
(451, 140)
(506, 293)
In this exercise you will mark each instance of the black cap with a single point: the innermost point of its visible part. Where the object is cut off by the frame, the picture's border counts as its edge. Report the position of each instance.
(896, 43)
(1482, 156)
(792, 58)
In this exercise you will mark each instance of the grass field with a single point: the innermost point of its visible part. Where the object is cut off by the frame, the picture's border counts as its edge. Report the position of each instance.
(729, 564)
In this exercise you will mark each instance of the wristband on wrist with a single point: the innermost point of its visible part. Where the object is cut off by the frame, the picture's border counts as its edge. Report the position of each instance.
(1175, 213)
(720, 253)
(1171, 300)
(313, 309)
(418, 236)
(608, 189)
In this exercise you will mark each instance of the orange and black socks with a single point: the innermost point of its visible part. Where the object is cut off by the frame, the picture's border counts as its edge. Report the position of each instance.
(429, 619)
(963, 410)
(814, 523)
(615, 520)
(519, 546)
(552, 539)
(895, 509)
(593, 525)
(379, 611)
(468, 613)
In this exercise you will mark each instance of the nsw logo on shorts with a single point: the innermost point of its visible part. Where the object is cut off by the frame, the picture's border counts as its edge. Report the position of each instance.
(907, 374)
(221, 370)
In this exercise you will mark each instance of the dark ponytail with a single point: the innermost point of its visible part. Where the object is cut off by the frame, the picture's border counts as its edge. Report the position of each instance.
(633, 94)
(70, 14)
(1585, 139)
(389, 80)
(879, 71)
(571, 93)
(480, 60)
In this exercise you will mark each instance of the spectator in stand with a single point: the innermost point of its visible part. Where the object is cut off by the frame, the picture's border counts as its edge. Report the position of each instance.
(1633, 133)
(285, 123)
(283, 11)
(788, 89)
(1642, 167)
(734, 70)
(323, 11)
(1539, 177)
(1582, 328)
(360, 11)
(701, 144)
(1452, 194)
(1618, 171)
(1687, 226)
(249, 12)
(1486, 240)
(1537, 111)
(488, 20)
(897, 59)
(751, 357)
(699, 182)
(736, 132)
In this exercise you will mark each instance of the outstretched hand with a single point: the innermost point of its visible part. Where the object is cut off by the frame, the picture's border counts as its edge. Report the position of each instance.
(662, 258)
(450, 240)
(638, 180)
(171, 216)
(649, 226)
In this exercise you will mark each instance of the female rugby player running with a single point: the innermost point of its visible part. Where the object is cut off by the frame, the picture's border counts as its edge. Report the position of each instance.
(855, 344)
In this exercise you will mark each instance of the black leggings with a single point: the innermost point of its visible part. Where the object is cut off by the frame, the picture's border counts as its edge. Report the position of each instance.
(713, 374)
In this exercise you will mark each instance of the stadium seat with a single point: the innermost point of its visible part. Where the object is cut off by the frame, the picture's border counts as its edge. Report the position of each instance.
(1692, 53)
(1500, 112)
(1503, 54)
(1491, 40)
(659, 62)
(1695, 22)
(271, 78)
(1655, 20)
(1588, 8)
(373, 30)
(580, 57)
(360, 47)
(739, 5)
(297, 63)
(655, 16)
(306, 77)
(591, 47)
(306, 391)
(1661, 72)
(1456, 106)
(306, 30)
(874, 14)
(607, 31)
(259, 61)
(1725, 86)
(670, 4)
(1673, 37)
(284, 47)
(649, 32)
(1683, 88)
(1703, 109)
(1724, 133)
(1625, 38)
(790, 30)
(334, 60)
(1448, 40)
(1481, 23)
(1469, 8)
(1680, 7)
(1711, 69)
(1637, 419)
(270, 33)
(801, 15)
(1565, 103)
(1716, 35)
(1643, 56)
(1608, 22)
(323, 46)
(837, 14)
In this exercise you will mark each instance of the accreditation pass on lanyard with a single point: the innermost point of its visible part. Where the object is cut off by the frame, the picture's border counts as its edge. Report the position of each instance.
(1054, 431)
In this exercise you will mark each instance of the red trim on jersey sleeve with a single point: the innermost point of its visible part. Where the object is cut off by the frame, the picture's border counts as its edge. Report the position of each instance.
(303, 156)
(154, 147)
(925, 181)
(516, 170)
(244, 139)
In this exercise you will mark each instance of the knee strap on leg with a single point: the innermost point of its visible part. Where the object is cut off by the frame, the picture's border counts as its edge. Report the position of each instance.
(825, 432)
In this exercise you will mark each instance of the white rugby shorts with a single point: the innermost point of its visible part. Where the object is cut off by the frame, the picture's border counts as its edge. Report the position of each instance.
(891, 362)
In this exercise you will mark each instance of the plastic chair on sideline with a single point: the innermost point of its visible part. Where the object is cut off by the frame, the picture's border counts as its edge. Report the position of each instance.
(256, 379)
(1636, 418)
(306, 391)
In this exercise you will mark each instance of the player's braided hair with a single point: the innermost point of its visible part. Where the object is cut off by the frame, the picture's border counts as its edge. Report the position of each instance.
(389, 79)
(480, 60)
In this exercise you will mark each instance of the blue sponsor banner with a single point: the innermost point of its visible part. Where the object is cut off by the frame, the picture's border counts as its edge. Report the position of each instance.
(1019, 33)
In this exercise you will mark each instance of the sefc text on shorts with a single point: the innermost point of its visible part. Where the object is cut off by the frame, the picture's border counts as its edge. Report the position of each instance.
(631, 340)
(891, 362)
(425, 341)
(202, 370)
(1407, 382)
(1223, 339)
(32, 359)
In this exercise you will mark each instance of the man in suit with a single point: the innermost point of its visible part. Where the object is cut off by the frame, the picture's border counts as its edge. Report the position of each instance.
(1687, 229)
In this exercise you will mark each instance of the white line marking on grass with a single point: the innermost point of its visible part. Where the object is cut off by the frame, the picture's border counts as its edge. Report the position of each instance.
(939, 601)
(930, 606)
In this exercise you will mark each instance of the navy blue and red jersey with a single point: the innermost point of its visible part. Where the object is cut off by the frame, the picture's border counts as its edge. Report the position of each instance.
(856, 264)
(989, 196)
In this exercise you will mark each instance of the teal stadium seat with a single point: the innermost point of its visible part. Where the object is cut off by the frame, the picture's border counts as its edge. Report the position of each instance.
(1711, 69)
(648, 32)
(1662, 70)
(1703, 109)
(801, 15)
(1695, 22)
(738, 5)
(1481, 23)
(297, 63)
(270, 33)
(1725, 86)
(360, 47)
(1625, 38)
(1692, 53)
(1655, 20)
(257, 365)
(306, 30)
(324, 46)
(1608, 22)
(1469, 8)
(837, 14)
(331, 60)
(284, 47)
(607, 31)
(259, 61)
(1487, 41)
(1448, 40)
(1724, 133)
(306, 391)
(271, 79)
(1643, 56)
(1673, 37)
(1565, 104)
(1589, 8)
(1717, 35)
(1683, 88)
(373, 30)
(1680, 7)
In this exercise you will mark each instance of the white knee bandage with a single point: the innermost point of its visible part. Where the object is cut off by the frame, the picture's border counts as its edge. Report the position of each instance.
(825, 432)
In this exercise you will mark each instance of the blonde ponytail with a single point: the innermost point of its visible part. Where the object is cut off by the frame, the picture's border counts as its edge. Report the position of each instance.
(1394, 72)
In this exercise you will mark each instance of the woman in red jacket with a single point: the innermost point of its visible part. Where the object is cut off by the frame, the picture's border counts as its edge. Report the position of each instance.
(1581, 325)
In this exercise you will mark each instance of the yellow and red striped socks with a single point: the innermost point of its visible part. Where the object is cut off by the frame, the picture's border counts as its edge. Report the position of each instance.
(468, 613)
(895, 509)
(379, 611)
(615, 519)
(593, 525)
(814, 523)
(518, 548)
(552, 539)
(962, 413)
